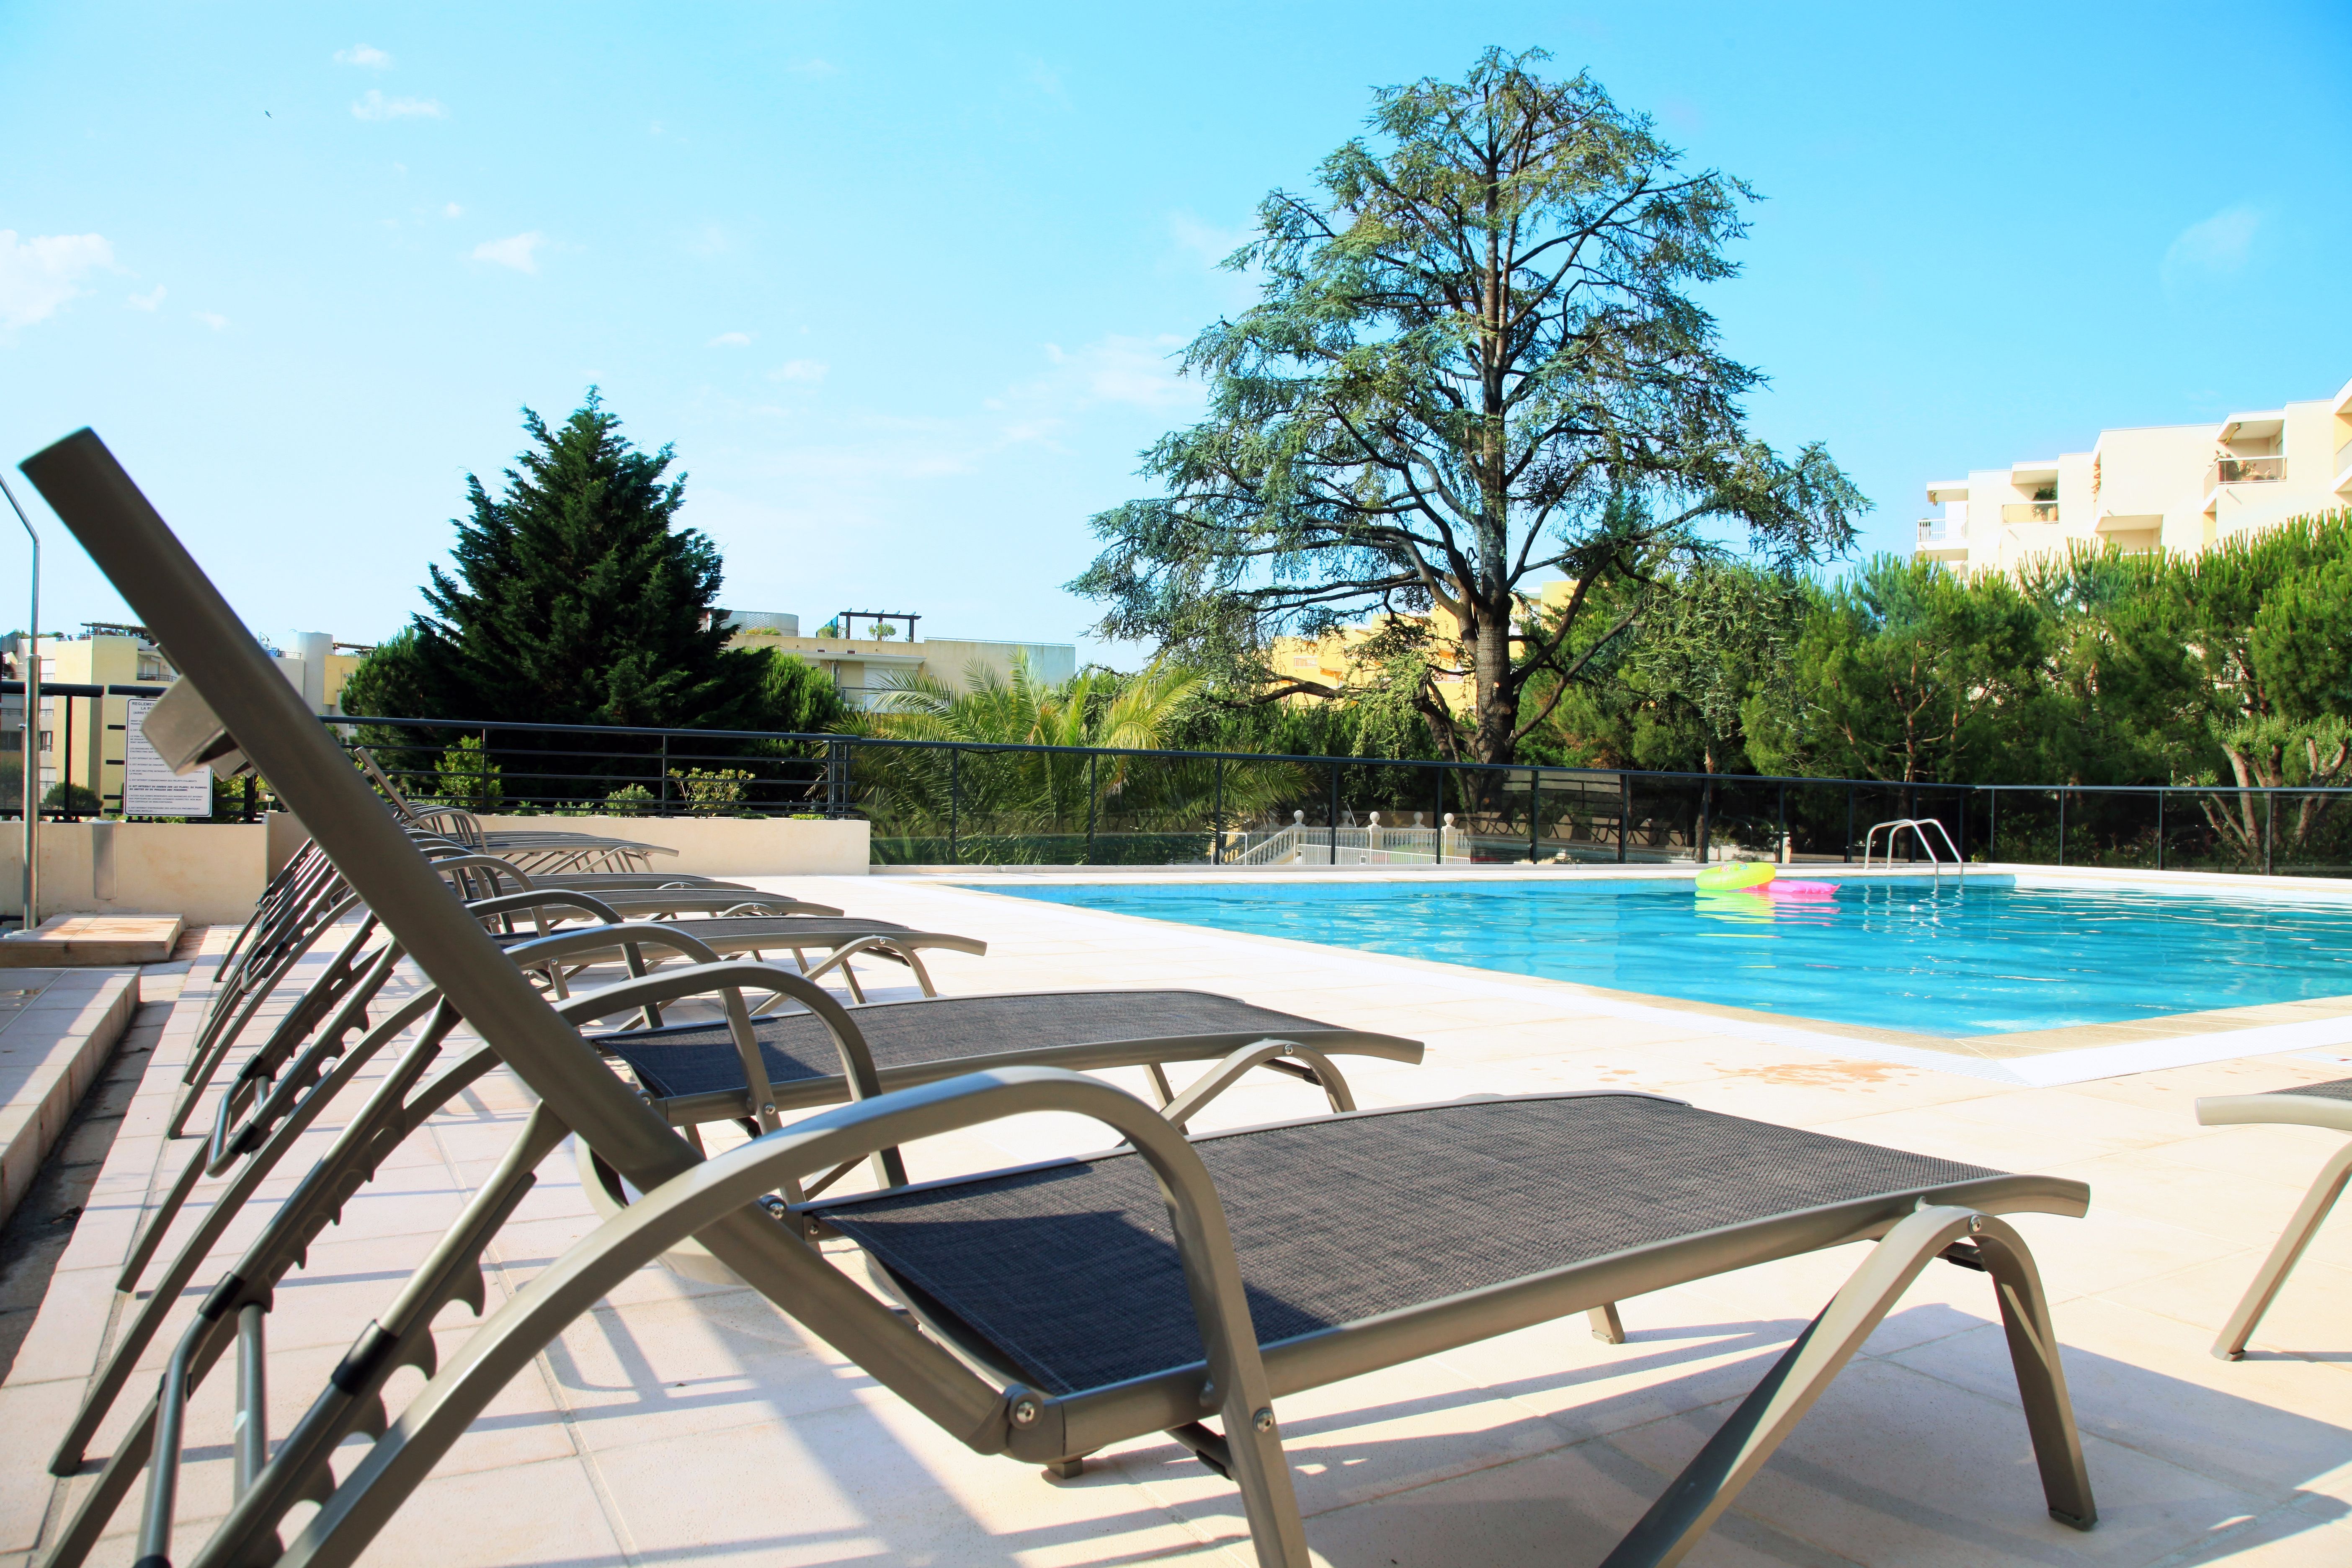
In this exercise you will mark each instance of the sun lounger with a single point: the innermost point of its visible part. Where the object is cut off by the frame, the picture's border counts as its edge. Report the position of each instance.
(544, 849)
(2327, 1105)
(1070, 1304)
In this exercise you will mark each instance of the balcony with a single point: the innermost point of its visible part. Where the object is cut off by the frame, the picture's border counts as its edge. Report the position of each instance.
(2344, 467)
(2245, 471)
(1942, 537)
(2030, 511)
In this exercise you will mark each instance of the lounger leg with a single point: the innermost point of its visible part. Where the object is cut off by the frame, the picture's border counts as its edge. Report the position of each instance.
(2324, 1191)
(1607, 1326)
(1680, 1519)
(1159, 1084)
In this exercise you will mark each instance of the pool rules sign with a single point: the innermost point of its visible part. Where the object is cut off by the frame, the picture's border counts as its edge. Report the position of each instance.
(150, 788)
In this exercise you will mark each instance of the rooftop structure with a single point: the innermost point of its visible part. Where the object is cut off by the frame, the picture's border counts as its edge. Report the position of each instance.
(2180, 488)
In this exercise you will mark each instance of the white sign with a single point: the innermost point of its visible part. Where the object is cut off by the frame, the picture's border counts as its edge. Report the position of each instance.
(150, 788)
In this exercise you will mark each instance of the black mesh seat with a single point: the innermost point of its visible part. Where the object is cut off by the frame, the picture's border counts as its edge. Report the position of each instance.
(1153, 1025)
(1069, 1270)
(2339, 1088)
(741, 934)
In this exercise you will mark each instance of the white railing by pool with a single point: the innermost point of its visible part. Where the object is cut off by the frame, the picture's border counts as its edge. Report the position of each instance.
(1371, 845)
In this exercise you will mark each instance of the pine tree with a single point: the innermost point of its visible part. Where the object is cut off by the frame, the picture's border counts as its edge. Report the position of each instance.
(576, 598)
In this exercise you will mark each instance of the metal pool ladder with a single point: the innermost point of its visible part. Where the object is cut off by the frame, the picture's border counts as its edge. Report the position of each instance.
(1918, 827)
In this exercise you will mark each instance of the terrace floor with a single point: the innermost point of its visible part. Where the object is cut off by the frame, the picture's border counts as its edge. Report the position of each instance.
(688, 1422)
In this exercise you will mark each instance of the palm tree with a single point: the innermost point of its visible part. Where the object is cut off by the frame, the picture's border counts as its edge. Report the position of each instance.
(1037, 803)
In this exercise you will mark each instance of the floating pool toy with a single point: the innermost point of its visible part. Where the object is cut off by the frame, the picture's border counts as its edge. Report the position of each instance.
(1796, 890)
(1735, 875)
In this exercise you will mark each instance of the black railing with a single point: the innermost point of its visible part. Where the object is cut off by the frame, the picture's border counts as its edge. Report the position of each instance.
(972, 803)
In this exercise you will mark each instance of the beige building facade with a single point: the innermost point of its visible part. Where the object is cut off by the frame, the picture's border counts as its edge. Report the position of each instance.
(1330, 660)
(2179, 488)
(864, 668)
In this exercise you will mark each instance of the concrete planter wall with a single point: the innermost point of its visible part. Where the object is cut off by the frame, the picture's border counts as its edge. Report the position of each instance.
(206, 873)
(725, 846)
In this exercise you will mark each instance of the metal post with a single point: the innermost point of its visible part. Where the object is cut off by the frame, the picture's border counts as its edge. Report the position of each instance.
(2270, 836)
(955, 791)
(1437, 817)
(1091, 758)
(1962, 849)
(32, 887)
(2159, 830)
(1535, 812)
(1217, 819)
(1334, 840)
(1706, 817)
(1781, 813)
(1849, 822)
(65, 757)
(252, 792)
(1624, 813)
(663, 810)
(2062, 826)
(1992, 822)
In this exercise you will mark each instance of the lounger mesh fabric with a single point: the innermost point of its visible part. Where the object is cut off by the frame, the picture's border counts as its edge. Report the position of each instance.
(736, 933)
(1071, 1270)
(703, 1060)
(2340, 1088)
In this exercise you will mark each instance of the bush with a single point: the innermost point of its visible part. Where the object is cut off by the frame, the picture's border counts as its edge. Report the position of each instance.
(629, 800)
(709, 793)
(72, 800)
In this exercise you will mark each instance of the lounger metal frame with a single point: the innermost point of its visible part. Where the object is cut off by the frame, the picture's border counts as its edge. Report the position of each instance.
(2289, 1109)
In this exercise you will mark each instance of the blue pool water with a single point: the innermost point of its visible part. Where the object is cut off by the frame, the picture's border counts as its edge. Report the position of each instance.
(1952, 960)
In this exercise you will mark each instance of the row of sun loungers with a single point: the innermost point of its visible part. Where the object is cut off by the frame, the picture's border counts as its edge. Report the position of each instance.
(1179, 1283)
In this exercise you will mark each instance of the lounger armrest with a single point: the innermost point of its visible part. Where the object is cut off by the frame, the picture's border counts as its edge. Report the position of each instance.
(2295, 1110)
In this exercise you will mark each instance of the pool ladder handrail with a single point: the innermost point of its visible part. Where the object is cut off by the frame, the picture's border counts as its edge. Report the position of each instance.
(1918, 827)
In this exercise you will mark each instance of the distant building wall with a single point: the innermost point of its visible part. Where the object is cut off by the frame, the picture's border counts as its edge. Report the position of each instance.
(2179, 488)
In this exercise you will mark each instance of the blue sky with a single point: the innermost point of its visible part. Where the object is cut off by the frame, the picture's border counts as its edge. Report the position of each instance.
(901, 286)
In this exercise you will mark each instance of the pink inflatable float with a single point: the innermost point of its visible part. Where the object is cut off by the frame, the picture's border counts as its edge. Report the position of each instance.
(1776, 888)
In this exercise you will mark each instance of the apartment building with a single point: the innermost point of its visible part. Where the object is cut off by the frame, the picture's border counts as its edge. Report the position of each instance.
(2173, 487)
(860, 665)
(1330, 660)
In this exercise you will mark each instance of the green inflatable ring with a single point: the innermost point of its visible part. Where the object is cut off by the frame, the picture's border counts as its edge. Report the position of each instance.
(1735, 875)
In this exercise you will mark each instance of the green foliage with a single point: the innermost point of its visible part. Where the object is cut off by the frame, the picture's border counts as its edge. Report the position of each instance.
(710, 792)
(1037, 804)
(629, 800)
(1474, 361)
(466, 777)
(66, 799)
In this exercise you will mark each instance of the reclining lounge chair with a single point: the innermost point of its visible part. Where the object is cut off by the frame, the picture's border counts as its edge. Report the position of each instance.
(2327, 1105)
(1158, 1287)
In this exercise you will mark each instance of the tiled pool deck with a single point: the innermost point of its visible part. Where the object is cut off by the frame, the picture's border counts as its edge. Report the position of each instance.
(683, 1421)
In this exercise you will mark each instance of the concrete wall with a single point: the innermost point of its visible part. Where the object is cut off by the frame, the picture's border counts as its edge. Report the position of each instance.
(206, 873)
(724, 845)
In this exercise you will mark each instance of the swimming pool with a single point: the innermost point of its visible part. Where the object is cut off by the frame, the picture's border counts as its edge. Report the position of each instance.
(1954, 960)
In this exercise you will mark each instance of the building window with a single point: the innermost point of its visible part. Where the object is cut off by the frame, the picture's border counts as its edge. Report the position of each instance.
(49, 737)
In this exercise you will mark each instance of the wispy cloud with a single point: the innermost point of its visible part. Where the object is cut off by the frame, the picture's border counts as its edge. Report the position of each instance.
(520, 251)
(453, 210)
(373, 105)
(1139, 373)
(212, 319)
(365, 56)
(813, 66)
(1045, 79)
(2216, 247)
(147, 302)
(808, 372)
(40, 273)
(732, 341)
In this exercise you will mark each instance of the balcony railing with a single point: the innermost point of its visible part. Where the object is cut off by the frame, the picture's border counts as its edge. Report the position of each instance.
(1935, 532)
(2344, 457)
(2245, 471)
(2031, 511)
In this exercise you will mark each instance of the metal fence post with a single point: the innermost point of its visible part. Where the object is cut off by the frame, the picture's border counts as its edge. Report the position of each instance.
(1624, 813)
(1535, 813)
(1437, 817)
(1849, 822)
(2159, 830)
(2270, 830)
(1992, 822)
(1091, 758)
(1217, 819)
(2061, 824)
(955, 785)
(663, 766)
(1334, 839)
(1782, 851)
